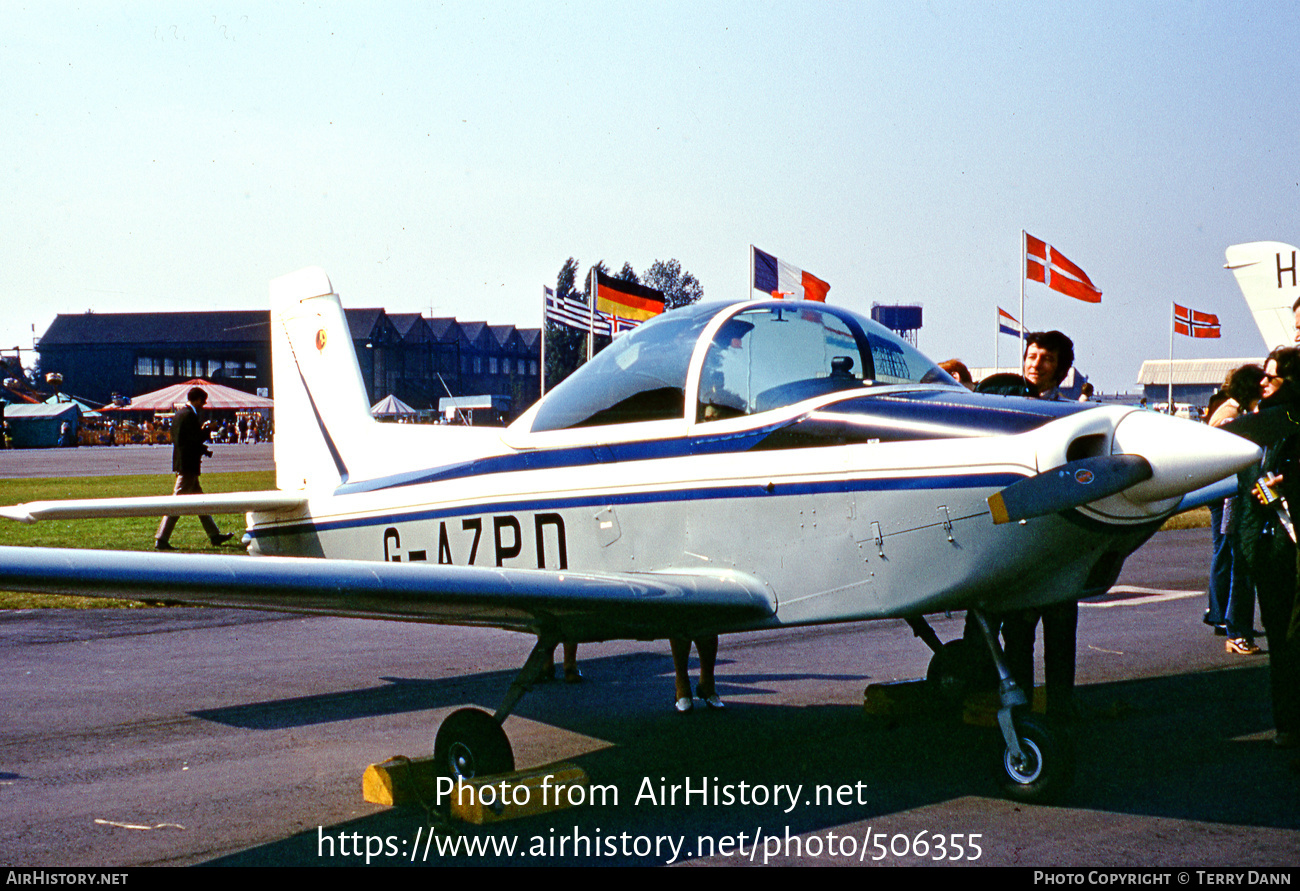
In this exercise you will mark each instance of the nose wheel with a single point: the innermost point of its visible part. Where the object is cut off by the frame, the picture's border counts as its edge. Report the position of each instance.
(1043, 767)
(1038, 761)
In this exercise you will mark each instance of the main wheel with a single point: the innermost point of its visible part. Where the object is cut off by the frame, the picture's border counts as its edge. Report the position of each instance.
(952, 671)
(471, 743)
(1047, 769)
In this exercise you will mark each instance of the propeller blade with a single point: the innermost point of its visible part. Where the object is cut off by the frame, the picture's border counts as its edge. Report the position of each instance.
(1067, 486)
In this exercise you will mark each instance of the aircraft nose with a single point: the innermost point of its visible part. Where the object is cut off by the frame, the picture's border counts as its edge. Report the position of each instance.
(1184, 455)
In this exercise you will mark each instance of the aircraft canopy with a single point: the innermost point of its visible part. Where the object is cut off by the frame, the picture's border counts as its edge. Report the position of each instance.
(751, 358)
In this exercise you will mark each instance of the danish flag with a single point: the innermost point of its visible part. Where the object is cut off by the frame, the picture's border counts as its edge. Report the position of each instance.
(1044, 263)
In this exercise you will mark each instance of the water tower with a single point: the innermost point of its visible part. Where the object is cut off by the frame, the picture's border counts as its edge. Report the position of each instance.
(904, 321)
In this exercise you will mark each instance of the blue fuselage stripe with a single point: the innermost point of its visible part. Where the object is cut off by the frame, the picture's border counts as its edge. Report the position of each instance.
(575, 456)
(718, 493)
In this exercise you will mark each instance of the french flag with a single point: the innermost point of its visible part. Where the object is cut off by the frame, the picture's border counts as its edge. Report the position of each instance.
(781, 279)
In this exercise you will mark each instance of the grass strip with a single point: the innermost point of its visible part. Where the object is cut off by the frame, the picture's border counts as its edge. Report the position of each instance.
(118, 533)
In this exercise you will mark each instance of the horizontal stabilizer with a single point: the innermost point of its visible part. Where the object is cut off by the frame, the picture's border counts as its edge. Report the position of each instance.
(155, 506)
(647, 604)
(1068, 486)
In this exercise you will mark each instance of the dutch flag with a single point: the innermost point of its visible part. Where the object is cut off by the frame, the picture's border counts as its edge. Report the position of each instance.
(1007, 323)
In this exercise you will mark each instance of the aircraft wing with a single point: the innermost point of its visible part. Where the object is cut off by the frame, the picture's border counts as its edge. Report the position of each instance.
(582, 605)
(155, 506)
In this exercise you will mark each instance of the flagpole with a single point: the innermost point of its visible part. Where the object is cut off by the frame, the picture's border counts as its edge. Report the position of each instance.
(1024, 254)
(543, 378)
(997, 347)
(1171, 357)
(591, 311)
(750, 295)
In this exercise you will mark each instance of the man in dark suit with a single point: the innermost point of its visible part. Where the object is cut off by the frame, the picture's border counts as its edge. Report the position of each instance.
(1047, 360)
(188, 449)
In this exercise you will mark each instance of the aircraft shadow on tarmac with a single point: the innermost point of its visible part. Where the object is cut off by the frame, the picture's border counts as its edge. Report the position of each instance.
(1181, 747)
(633, 679)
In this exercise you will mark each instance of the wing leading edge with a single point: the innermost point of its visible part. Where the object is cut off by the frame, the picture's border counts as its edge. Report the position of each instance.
(155, 506)
(586, 605)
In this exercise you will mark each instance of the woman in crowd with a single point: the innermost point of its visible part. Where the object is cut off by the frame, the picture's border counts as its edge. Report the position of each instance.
(1266, 544)
(1232, 594)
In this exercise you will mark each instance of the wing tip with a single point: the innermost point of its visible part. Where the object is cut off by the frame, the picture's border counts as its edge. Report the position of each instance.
(17, 513)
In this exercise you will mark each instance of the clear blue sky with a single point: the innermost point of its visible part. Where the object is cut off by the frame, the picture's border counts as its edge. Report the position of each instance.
(449, 158)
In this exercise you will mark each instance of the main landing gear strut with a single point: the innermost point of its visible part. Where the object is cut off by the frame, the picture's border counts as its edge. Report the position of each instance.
(471, 743)
(1038, 761)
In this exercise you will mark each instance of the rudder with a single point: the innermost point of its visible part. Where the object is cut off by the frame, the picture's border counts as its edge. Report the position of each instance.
(322, 413)
(1267, 275)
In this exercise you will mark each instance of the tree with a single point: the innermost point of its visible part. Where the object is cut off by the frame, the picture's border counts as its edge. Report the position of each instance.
(566, 348)
(628, 274)
(567, 278)
(586, 282)
(679, 288)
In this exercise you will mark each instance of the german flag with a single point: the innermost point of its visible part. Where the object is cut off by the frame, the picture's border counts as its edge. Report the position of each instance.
(626, 300)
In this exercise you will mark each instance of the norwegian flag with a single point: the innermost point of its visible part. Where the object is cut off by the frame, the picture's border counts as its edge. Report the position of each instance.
(1044, 263)
(1195, 324)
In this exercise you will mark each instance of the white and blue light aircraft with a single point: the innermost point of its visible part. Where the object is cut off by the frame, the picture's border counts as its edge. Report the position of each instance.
(722, 468)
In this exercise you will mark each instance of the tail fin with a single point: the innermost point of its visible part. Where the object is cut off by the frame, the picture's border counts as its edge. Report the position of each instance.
(322, 414)
(1266, 274)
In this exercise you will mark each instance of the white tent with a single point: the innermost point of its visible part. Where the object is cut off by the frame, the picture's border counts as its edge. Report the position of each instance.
(86, 410)
(220, 397)
(392, 407)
